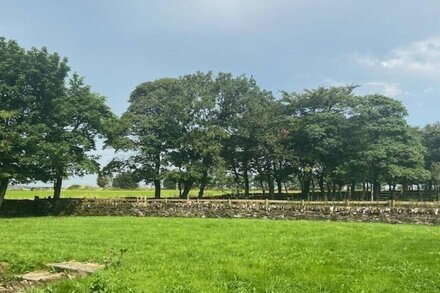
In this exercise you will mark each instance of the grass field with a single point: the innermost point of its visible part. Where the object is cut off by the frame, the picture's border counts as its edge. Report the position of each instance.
(225, 255)
(102, 193)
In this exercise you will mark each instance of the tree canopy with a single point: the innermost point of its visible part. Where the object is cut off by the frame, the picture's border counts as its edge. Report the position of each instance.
(47, 126)
(205, 129)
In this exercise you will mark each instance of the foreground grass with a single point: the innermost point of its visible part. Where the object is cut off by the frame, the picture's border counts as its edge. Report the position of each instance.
(103, 193)
(225, 255)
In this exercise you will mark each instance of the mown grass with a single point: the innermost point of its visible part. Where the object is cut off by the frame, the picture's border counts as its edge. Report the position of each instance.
(226, 255)
(103, 193)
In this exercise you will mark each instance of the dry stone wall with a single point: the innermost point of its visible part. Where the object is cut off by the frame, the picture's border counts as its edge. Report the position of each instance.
(211, 209)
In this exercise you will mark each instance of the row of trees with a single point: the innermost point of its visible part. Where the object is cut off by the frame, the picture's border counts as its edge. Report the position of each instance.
(204, 130)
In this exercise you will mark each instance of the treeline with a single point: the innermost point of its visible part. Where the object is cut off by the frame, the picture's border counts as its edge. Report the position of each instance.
(220, 130)
(203, 130)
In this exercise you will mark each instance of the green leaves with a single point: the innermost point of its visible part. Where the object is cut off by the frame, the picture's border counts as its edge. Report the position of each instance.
(46, 127)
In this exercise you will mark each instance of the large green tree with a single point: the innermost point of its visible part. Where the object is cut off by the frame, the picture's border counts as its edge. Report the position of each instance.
(149, 130)
(30, 82)
(319, 135)
(78, 118)
(47, 127)
(198, 148)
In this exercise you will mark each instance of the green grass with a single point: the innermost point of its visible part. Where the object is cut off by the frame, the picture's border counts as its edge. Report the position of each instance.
(226, 255)
(102, 193)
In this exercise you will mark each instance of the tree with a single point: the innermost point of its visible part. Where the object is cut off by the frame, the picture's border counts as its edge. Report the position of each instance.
(103, 181)
(125, 180)
(78, 118)
(149, 128)
(435, 175)
(47, 128)
(30, 82)
(382, 136)
(317, 135)
(245, 110)
(197, 149)
(431, 141)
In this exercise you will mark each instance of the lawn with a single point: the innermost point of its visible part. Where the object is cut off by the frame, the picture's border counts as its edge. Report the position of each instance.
(103, 193)
(226, 255)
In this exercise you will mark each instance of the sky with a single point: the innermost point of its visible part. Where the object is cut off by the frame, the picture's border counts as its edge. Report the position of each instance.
(388, 47)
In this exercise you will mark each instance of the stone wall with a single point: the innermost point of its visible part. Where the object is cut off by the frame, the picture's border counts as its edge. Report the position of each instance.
(429, 215)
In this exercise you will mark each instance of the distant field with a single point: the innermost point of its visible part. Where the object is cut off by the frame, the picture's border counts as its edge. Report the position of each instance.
(225, 255)
(102, 193)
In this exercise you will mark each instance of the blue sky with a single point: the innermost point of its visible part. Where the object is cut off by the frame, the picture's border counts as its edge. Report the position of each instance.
(389, 47)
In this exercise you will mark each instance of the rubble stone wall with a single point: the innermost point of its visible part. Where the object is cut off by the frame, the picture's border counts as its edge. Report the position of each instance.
(206, 209)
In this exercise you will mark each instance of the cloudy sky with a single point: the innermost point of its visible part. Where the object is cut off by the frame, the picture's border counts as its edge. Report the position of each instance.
(389, 47)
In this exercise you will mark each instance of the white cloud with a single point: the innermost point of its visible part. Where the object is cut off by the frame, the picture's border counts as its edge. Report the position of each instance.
(420, 58)
(387, 89)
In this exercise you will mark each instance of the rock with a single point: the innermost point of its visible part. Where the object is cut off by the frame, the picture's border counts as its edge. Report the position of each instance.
(41, 276)
(78, 267)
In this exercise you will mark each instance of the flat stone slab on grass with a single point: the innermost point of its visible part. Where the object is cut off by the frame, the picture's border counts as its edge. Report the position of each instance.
(72, 266)
(41, 276)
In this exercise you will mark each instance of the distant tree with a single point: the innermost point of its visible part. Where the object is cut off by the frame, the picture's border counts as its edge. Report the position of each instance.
(148, 129)
(317, 134)
(78, 117)
(244, 108)
(170, 183)
(435, 175)
(197, 149)
(103, 181)
(431, 142)
(383, 137)
(125, 180)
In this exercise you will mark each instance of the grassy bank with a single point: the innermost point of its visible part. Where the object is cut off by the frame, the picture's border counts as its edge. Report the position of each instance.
(209, 255)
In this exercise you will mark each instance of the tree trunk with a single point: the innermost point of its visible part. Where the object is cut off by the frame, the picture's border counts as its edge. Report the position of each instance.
(157, 180)
(57, 187)
(321, 187)
(393, 191)
(271, 184)
(353, 191)
(187, 188)
(306, 186)
(246, 182)
(237, 181)
(329, 190)
(333, 191)
(364, 190)
(3, 187)
(262, 187)
(203, 183)
(376, 189)
(156, 189)
(280, 187)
